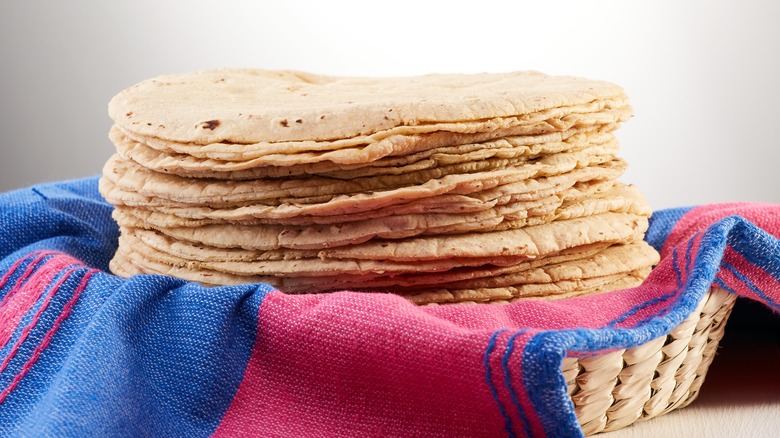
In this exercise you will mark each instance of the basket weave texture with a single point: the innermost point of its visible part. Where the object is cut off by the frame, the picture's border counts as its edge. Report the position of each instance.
(613, 390)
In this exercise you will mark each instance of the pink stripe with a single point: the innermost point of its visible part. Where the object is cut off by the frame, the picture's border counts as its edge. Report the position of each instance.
(26, 293)
(765, 282)
(695, 250)
(669, 291)
(765, 216)
(348, 383)
(49, 335)
(11, 271)
(523, 417)
(535, 423)
(735, 284)
(33, 264)
(36, 317)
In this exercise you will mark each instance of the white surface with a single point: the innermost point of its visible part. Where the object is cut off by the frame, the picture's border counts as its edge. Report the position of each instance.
(702, 75)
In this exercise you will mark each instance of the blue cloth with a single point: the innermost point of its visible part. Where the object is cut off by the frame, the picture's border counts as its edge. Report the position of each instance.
(131, 359)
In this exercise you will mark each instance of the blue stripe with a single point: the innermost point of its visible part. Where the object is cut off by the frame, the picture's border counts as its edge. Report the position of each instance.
(677, 273)
(508, 382)
(688, 259)
(757, 247)
(729, 267)
(689, 268)
(723, 286)
(632, 311)
(489, 380)
(661, 225)
(545, 385)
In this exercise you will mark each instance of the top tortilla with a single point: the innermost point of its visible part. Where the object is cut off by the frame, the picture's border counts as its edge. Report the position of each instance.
(251, 106)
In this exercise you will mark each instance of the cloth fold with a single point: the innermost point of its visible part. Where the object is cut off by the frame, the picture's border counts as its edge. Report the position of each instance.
(86, 353)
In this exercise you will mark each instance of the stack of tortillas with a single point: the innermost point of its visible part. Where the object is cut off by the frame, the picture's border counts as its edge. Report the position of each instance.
(442, 188)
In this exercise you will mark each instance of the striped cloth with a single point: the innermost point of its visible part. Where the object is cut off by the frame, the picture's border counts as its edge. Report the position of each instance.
(85, 353)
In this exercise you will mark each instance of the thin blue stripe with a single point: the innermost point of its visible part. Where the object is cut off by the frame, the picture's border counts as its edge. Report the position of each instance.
(689, 260)
(689, 267)
(752, 238)
(632, 311)
(489, 379)
(722, 285)
(677, 273)
(728, 266)
(508, 382)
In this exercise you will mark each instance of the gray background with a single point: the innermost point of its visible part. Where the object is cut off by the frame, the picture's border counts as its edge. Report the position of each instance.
(703, 76)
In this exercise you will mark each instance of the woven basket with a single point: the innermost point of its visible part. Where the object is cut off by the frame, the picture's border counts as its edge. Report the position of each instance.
(614, 390)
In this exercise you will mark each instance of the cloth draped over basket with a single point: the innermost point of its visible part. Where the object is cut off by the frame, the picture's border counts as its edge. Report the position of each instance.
(86, 353)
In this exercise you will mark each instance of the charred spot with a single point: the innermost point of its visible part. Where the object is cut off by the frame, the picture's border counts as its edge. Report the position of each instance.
(322, 116)
(299, 121)
(219, 80)
(149, 124)
(210, 125)
(284, 123)
(129, 114)
(387, 118)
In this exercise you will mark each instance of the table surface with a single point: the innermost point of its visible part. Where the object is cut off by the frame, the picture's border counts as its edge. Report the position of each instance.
(740, 396)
